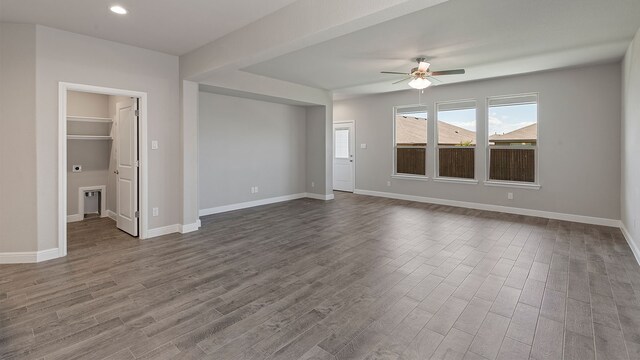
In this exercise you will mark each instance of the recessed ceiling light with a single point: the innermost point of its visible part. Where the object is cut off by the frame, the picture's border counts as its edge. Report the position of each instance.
(118, 10)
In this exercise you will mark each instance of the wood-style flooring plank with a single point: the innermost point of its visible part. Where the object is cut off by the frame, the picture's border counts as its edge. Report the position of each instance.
(354, 278)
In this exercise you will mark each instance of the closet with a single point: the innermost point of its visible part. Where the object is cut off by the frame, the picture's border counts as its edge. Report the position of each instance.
(92, 155)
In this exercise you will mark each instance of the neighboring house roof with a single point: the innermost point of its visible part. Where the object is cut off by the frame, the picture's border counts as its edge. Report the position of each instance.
(454, 135)
(410, 130)
(525, 134)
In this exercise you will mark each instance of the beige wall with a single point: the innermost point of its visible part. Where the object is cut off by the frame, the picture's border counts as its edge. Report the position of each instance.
(579, 133)
(18, 200)
(630, 184)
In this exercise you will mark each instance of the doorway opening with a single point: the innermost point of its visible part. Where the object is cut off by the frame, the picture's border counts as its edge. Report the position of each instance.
(344, 159)
(102, 160)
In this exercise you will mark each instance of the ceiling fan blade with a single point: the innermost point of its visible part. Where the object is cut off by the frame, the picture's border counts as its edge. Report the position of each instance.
(399, 81)
(448, 72)
(393, 73)
(432, 78)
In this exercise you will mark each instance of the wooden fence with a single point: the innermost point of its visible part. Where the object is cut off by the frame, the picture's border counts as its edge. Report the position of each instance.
(457, 162)
(512, 164)
(507, 164)
(411, 160)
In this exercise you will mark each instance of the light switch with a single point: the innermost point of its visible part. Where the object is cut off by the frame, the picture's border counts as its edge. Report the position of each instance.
(363, 146)
(154, 144)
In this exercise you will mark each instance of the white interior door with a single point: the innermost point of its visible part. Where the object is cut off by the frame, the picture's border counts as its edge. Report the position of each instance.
(127, 167)
(343, 156)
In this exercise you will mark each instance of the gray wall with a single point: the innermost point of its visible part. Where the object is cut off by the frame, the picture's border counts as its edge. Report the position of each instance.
(18, 200)
(630, 190)
(244, 143)
(93, 155)
(579, 134)
(315, 134)
(64, 56)
(37, 59)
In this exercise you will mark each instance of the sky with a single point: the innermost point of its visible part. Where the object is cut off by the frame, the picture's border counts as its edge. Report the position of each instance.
(502, 119)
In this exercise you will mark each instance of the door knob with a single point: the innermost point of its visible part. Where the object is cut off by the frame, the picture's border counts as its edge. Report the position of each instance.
(116, 172)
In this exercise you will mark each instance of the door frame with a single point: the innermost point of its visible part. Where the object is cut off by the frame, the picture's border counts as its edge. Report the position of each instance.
(355, 148)
(143, 188)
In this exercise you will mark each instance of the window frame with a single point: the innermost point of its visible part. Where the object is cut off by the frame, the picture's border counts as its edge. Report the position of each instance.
(436, 152)
(394, 147)
(506, 183)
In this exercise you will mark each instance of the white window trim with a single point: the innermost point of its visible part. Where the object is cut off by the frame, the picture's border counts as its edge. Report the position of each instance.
(394, 147)
(410, 177)
(512, 184)
(443, 179)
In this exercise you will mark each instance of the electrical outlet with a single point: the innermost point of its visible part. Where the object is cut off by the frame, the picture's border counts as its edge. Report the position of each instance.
(313, 184)
(363, 146)
(510, 196)
(256, 189)
(155, 211)
(76, 168)
(253, 190)
(388, 183)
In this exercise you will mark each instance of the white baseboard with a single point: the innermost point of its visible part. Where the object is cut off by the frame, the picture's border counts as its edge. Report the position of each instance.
(80, 217)
(189, 227)
(28, 256)
(248, 204)
(319, 196)
(175, 228)
(49, 254)
(74, 218)
(112, 215)
(169, 229)
(497, 208)
(632, 244)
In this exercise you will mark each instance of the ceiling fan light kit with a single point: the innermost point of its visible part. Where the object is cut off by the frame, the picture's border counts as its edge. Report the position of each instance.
(419, 75)
(419, 83)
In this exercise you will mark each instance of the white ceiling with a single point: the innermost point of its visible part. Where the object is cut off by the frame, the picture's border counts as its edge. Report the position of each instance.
(489, 38)
(170, 26)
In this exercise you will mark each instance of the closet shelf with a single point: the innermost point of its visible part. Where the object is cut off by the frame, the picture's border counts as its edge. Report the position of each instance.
(88, 137)
(89, 119)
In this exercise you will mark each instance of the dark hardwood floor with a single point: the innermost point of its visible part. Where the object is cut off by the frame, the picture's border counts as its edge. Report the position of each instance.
(354, 278)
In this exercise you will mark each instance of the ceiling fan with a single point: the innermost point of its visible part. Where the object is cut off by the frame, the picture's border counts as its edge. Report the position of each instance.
(420, 74)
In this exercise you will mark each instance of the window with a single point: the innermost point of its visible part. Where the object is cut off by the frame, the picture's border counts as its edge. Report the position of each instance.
(342, 143)
(410, 142)
(456, 129)
(513, 138)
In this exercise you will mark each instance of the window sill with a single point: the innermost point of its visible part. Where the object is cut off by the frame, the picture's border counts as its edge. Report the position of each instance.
(455, 180)
(410, 177)
(510, 184)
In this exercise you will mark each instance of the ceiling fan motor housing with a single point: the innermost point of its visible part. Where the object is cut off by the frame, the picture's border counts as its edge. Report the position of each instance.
(416, 72)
